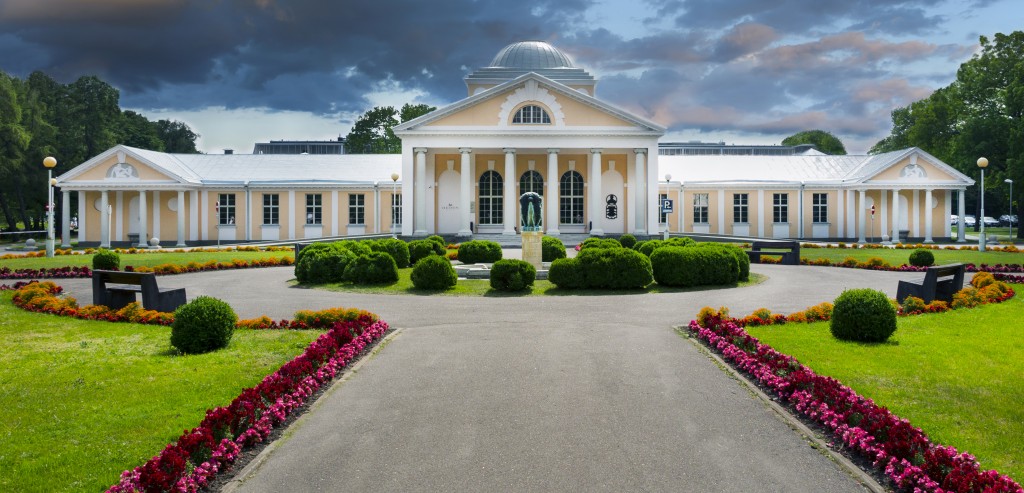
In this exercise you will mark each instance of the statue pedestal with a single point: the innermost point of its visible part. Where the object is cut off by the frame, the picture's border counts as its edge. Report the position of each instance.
(532, 249)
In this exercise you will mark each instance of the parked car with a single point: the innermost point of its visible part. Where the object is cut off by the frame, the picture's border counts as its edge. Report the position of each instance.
(990, 221)
(969, 221)
(953, 219)
(1008, 220)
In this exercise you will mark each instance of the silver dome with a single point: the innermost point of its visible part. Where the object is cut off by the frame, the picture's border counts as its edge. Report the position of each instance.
(531, 55)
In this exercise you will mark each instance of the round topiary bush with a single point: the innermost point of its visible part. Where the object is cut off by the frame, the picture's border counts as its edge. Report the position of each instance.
(398, 249)
(479, 252)
(418, 249)
(864, 315)
(551, 249)
(323, 263)
(922, 258)
(440, 241)
(566, 273)
(434, 272)
(372, 268)
(639, 245)
(742, 259)
(204, 324)
(627, 240)
(614, 268)
(512, 275)
(106, 260)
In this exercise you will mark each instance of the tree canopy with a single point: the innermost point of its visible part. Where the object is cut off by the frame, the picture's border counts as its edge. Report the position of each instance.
(372, 134)
(977, 115)
(820, 139)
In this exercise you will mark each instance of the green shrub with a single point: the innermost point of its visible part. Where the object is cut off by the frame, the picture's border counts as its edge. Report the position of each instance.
(648, 247)
(742, 259)
(551, 248)
(398, 249)
(440, 241)
(204, 324)
(614, 268)
(512, 275)
(627, 240)
(372, 268)
(419, 249)
(566, 273)
(434, 272)
(106, 260)
(639, 245)
(922, 258)
(595, 242)
(707, 264)
(863, 315)
(356, 247)
(323, 263)
(479, 252)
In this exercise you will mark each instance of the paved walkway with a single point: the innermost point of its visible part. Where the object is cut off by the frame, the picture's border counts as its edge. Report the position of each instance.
(549, 393)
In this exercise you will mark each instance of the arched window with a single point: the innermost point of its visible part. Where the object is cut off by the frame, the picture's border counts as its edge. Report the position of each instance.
(490, 198)
(531, 181)
(531, 114)
(570, 199)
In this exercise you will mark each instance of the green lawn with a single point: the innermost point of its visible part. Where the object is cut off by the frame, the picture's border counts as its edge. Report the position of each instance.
(85, 400)
(139, 259)
(482, 287)
(957, 375)
(897, 257)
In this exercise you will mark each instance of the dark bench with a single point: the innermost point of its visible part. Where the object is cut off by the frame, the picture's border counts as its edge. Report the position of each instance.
(940, 282)
(126, 284)
(788, 250)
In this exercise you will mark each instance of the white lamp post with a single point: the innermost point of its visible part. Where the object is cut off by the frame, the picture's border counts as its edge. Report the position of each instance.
(394, 199)
(1011, 208)
(49, 162)
(982, 163)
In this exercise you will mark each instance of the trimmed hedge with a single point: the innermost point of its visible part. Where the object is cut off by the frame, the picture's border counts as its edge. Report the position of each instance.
(479, 252)
(512, 275)
(705, 265)
(440, 241)
(602, 268)
(434, 272)
(372, 268)
(566, 273)
(627, 240)
(106, 260)
(742, 259)
(419, 249)
(323, 263)
(594, 242)
(398, 249)
(922, 258)
(551, 249)
(864, 315)
(648, 247)
(202, 325)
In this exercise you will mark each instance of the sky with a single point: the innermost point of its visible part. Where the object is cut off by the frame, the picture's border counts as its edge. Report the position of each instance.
(736, 71)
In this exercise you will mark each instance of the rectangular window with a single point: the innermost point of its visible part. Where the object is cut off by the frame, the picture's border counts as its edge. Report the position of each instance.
(314, 208)
(356, 208)
(663, 216)
(396, 209)
(780, 207)
(226, 208)
(820, 208)
(271, 209)
(739, 208)
(700, 208)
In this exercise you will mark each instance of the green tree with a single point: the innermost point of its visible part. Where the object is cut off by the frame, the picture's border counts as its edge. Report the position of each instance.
(820, 139)
(177, 137)
(372, 132)
(14, 142)
(137, 131)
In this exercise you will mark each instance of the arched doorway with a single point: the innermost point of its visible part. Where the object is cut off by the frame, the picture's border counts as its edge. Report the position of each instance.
(448, 189)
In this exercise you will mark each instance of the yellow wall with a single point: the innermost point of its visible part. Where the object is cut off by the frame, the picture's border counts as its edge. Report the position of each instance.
(893, 172)
(99, 171)
(486, 113)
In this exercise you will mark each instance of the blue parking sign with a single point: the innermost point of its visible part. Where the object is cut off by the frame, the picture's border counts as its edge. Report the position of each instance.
(666, 205)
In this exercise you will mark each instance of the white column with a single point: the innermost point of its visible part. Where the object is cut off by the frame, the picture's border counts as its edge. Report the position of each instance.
(143, 220)
(65, 216)
(181, 218)
(928, 215)
(551, 201)
(916, 214)
(193, 211)
(840, 199)
(465, 192)
(508, 219)
(883, 216)
(961, 226)
(895, 216)
(800, 213)
(862, 213)
(104, 218)
(118, 213)
(595, 192)
(420, 195)
(82, 208)
(653, 206)
(639, 204)
(156, 215)
(204, 215)
(851, 214)
(947, 209)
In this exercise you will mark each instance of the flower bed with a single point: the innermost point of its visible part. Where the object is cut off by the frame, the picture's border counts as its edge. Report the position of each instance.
(901, 451)
(160, 270)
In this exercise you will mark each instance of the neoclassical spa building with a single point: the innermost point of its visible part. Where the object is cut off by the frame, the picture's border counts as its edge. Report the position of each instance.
(531, 123)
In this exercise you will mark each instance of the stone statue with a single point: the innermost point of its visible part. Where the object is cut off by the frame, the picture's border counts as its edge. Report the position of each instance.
(531, 211)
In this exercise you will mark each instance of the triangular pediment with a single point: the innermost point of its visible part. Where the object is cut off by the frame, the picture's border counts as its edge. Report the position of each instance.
(123, 166)
(494, 108)
(913, 167)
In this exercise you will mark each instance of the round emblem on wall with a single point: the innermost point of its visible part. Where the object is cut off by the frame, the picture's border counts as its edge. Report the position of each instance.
(172, 204)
